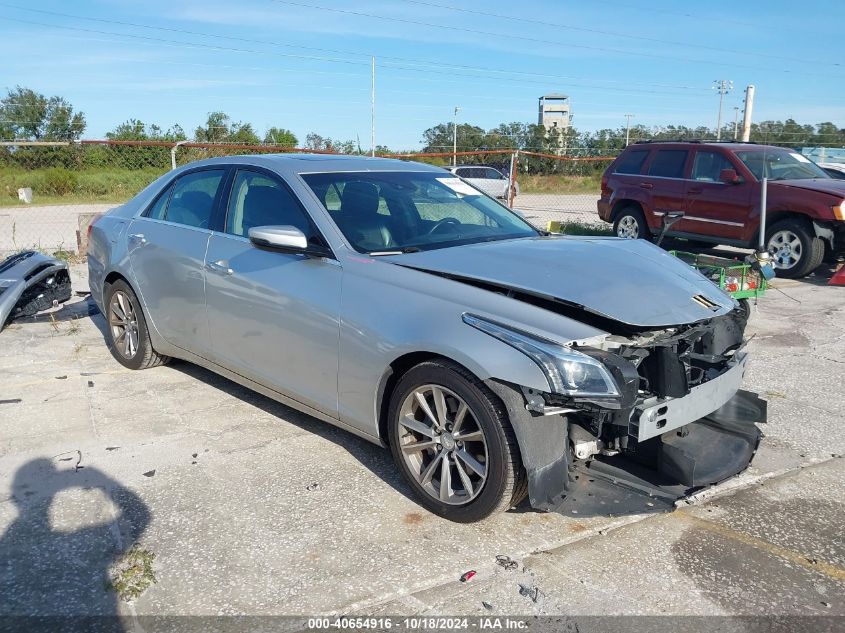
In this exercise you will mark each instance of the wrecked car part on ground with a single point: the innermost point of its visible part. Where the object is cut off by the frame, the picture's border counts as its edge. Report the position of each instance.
(31, 282)
(662, 417)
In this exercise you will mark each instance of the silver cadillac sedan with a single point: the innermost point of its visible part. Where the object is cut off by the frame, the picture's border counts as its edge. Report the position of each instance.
(396, 301)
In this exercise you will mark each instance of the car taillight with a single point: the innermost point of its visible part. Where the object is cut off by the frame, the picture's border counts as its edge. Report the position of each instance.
(92, 223)
(603, 182)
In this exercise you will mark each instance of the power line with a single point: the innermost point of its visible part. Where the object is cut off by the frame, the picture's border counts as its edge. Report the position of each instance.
(570, 27)
(511, 36)
(325, 50)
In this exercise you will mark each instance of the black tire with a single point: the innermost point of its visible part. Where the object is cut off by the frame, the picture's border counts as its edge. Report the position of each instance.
(505, 484)
(630, 219)
(144, 355)
(811, 248)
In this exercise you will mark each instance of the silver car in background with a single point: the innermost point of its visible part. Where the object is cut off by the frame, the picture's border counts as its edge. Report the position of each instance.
(488, 179)
(393, 300)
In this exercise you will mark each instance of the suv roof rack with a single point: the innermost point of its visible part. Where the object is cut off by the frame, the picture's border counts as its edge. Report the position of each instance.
(691, 140)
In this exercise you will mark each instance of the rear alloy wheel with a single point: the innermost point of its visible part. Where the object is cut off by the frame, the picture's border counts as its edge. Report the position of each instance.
(128, 335)
(630, 224)
(795, 249)
(452, 441)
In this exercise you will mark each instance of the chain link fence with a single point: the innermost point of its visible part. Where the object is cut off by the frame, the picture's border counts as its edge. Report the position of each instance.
(49, 191)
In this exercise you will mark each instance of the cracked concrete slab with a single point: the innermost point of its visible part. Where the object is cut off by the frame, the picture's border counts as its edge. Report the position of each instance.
(218, 482)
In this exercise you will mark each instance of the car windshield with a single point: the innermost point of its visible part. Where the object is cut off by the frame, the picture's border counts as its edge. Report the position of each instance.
(381, 212)
(780, 164)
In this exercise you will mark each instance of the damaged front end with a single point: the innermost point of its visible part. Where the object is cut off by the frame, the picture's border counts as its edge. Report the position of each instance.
(31, 282)
(652, 417)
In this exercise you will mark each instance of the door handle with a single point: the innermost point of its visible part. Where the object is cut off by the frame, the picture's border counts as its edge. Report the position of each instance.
(646, 185)
(137, 237)
(220, 266)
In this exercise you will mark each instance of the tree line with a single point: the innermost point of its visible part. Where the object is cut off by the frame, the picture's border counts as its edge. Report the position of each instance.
(28, 115)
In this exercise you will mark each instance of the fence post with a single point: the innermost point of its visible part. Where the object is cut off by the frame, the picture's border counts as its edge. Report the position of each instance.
(512, 178)
(173, 153)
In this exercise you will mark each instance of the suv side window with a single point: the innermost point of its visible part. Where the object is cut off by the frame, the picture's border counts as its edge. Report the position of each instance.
(707, 166)
(632, 162)
(668, 163)
(259, 200)
(189, 200)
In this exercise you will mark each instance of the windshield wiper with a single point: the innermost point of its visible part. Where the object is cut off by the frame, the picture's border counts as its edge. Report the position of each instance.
(400, 251)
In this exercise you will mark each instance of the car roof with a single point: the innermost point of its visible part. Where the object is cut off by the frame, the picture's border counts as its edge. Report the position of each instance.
(316, 163)
(729, 145)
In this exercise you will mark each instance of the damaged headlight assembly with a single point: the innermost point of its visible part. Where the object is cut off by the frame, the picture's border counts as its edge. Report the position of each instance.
(568, 372)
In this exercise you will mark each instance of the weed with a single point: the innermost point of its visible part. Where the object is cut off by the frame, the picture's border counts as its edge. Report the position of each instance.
(580, 228)
(133, 573)
(72, 327)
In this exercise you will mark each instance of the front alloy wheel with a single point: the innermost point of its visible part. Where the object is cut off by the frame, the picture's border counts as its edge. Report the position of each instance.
(443, 445)
(796, 250)
(452, 440)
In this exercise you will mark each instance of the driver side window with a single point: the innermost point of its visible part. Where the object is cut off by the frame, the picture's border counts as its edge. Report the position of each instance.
(258, 200)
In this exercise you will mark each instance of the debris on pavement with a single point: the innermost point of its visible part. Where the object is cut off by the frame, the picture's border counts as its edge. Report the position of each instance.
(507, 562)
(150, 473)
(10, 401)
(313, 487)
(77, 465)
(112, 448)
(533, 593)
(61, 377)
(90, 383)
(31, 283)
(467, 576)
(487, 605)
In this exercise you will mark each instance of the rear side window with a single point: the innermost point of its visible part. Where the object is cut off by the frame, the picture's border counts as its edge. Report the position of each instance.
(708, 165)
(190, 200)
(668, 163)
(632, 162)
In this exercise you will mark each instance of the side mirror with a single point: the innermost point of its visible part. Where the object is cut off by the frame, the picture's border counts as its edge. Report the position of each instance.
(729, 177)
(288, 239)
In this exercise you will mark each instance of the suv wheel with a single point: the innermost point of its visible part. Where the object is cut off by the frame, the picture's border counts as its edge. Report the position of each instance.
(453, 443)
(630, 224)
(795, 249)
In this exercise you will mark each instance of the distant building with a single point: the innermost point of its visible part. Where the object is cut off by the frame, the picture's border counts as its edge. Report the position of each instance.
(554, 112)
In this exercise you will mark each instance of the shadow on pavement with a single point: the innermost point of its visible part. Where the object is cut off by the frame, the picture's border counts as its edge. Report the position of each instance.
(51, 577)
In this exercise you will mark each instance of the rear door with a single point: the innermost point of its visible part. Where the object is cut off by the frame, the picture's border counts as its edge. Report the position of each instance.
(715, 208)
(167, 246)
(273, 317)
(665, 181)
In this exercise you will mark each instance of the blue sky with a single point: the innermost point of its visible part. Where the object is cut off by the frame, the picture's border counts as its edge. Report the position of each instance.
(305, 64)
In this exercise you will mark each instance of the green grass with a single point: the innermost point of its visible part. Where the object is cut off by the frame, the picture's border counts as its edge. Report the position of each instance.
(560, 184)
(585, 228)
(88, 185)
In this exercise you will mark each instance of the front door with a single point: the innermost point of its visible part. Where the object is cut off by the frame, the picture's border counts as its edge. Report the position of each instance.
(273, 316)
(715, 208)
(167, 245)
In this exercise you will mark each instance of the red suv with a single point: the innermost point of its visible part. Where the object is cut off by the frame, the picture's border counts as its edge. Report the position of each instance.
(717, 186)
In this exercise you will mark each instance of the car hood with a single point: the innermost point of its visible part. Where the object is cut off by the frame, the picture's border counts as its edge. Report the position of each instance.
(825, 185)
(629, 281)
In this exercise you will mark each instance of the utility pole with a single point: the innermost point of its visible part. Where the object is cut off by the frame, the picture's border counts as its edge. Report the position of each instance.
(736, 120)
(723, 87)
(373, 112)
(455, 138)
(628, 128)
(746, 115)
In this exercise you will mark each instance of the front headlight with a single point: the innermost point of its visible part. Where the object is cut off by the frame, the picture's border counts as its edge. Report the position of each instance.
(569, 372)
